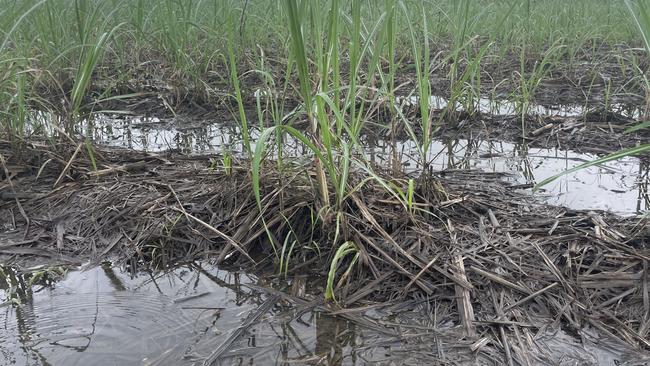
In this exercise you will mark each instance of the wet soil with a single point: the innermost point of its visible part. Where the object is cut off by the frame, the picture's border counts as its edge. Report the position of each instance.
(494, 274)
(619, 187)
(594, 132)
(187, 314)
(598, 76)
(487, 260)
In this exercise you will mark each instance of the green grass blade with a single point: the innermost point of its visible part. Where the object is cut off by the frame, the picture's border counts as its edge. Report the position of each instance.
(641, 15)
(260, 150)
(343, 251)
(298, 51)
(637, 127)
(614, 156)
(18, 22)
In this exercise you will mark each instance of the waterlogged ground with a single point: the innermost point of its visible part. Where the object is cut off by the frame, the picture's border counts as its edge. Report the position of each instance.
(199, 314)
(509, 108)
(106, 316)
(619, 186)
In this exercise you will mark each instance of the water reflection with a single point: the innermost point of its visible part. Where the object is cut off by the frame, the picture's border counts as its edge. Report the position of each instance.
(152, 134)
(188, 137)
(108, 316)
(508, 108)
(619, 186)
(104, 315)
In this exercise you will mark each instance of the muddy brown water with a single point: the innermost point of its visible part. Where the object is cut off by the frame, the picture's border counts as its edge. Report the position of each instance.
(104, 315)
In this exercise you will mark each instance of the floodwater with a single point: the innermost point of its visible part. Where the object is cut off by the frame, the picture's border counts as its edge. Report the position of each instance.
(199, 314)
(510, 108)
(105, 316)
(620, 186)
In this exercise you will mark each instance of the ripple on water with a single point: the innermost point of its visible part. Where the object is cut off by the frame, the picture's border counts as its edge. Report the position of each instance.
(106, 317)
(60, 327)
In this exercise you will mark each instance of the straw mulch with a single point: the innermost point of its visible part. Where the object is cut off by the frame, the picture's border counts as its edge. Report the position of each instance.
(503, 265)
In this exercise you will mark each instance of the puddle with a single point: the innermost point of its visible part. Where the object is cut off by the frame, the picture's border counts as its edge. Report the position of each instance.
(105, 316)
(619, 187)
(188, 137)
(509, 108)
(154, 135)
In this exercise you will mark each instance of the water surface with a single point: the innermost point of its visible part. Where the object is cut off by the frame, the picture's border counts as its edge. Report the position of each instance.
(105, 316)
(619, 186)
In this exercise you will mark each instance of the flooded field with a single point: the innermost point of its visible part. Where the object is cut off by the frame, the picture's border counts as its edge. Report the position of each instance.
(620, 186)
(337, 182)
(198, 314)
(203, 314)
(505, 107)
(180, 317)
